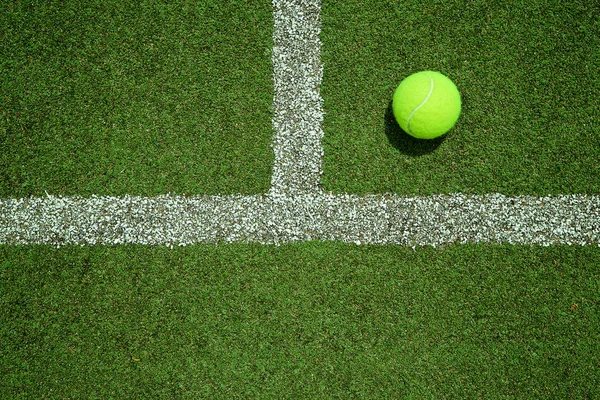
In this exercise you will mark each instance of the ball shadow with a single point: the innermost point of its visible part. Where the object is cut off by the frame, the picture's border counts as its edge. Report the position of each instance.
(403, 141)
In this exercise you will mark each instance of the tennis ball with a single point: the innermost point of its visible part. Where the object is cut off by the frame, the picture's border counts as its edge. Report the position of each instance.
(426, 104)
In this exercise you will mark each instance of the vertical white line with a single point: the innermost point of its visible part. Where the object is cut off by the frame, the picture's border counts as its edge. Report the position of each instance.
(297, 103)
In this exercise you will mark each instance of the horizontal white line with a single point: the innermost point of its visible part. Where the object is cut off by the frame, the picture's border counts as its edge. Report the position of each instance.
(271, 218)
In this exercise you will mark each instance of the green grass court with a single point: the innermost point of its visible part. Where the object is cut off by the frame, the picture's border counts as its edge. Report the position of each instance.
(155, 97)
(115, 98)
(528, 75)
(315, 320)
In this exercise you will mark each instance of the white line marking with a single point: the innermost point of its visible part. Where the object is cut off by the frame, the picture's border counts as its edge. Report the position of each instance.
(297, 103)
(273, 219)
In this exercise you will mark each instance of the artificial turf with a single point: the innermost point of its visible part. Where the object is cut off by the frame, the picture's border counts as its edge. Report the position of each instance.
(143, 97)
(122, 97)
(312, 320)
(528, 75)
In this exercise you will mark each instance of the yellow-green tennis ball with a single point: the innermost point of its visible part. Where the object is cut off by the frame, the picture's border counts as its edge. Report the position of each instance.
(426, 104)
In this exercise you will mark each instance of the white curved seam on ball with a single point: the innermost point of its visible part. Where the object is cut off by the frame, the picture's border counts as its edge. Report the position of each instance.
(431, 84)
